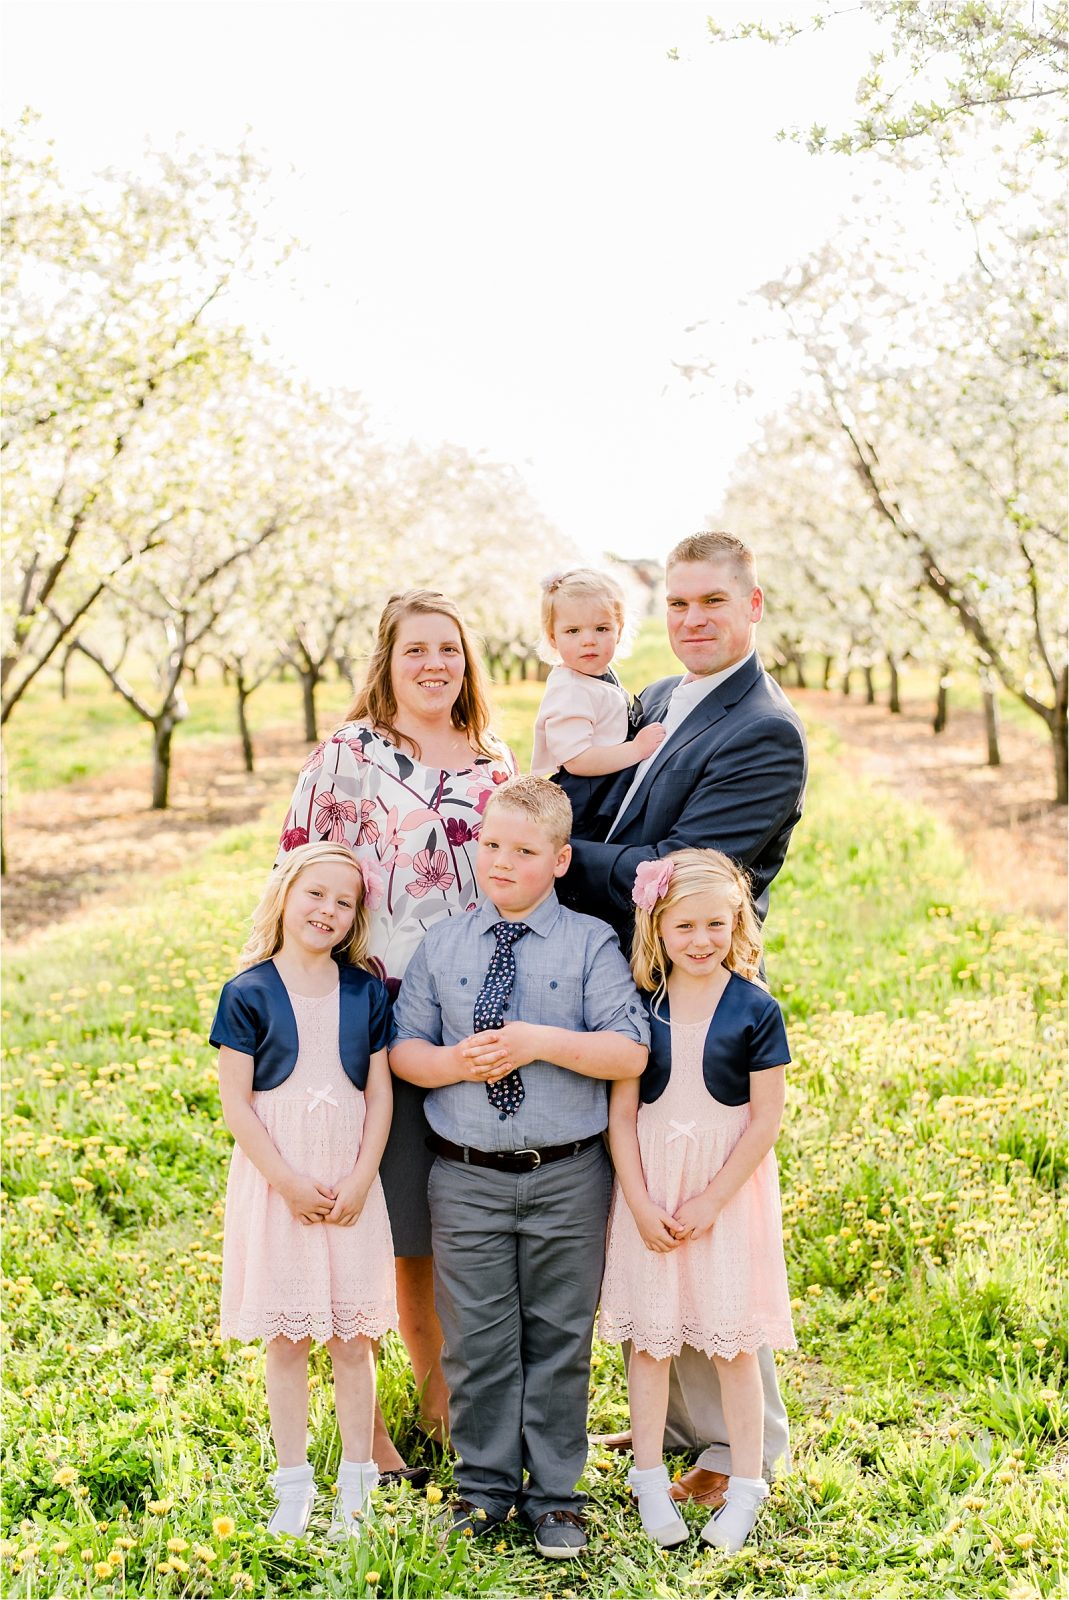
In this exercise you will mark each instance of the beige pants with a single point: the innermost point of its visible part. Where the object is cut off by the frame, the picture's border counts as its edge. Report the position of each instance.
(696, 1416)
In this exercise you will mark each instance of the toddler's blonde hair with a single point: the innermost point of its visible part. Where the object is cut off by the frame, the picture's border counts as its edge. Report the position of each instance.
(695, 872)
(580, 583)
(266, 937)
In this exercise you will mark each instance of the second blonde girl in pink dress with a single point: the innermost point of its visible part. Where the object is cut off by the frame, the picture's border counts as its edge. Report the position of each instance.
(695, 1251)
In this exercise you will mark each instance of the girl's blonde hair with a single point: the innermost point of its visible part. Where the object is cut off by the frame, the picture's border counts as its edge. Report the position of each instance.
(266, 937)
(581, 583)
(696, 872)
(375, 702)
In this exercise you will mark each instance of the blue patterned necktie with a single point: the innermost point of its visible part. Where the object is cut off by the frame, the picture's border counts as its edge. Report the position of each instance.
(506, 1095)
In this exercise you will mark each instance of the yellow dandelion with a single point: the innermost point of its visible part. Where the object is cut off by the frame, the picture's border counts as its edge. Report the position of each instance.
(373, 1578)
(205, 1553)
(434, 1494)
(1024, 1541)
(160, 1384)
(61, 1547)
(104, 1569)
(65, 1476)
(160, 1508)
(223, 1527)
(176, 1546)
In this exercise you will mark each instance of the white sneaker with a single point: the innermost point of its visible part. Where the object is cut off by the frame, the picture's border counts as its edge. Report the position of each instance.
(661, 1518)
(352, 1503)
(730, 1527)
(295, 1488)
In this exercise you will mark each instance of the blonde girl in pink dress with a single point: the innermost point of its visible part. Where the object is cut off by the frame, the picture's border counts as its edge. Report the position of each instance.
(305, 1086)
(695, 1249)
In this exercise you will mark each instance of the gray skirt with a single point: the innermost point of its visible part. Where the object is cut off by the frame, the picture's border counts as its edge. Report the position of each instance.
(406, 1165)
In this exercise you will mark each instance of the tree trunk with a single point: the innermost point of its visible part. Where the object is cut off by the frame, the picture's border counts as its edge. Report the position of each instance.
(64, 664)
(825, 681)
(243, 724)
(991, 719)
(3, 810)
(776, 671)
(846, 681)
(894, 703)
(939, 720)
(162, 733)
(799, 670)
(870, 687)
(1061, 742)
(309, 679)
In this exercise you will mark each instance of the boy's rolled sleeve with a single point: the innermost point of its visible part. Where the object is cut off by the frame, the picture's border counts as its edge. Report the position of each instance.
(611, 1003)
(417, 1012)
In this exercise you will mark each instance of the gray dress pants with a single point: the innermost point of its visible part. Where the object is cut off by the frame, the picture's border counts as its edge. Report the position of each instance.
(696, 1416)
(518, 1259)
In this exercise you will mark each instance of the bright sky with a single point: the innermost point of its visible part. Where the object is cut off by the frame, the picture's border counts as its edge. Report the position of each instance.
(512, 211)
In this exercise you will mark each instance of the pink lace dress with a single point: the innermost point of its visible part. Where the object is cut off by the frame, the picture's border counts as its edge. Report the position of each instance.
(726, 1291)
(279, 1276)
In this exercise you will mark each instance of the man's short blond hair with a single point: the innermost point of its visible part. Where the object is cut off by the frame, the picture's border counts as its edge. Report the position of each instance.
(543, 802)
(716, 547)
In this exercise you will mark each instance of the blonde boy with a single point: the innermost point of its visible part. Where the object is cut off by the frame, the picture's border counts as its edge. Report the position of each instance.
(515, 1018)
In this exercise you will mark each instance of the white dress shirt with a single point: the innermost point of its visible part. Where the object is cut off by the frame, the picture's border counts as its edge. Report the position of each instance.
(688, 693)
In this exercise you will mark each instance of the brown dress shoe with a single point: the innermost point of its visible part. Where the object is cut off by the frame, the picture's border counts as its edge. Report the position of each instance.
(611, 1441)
(703, 1488)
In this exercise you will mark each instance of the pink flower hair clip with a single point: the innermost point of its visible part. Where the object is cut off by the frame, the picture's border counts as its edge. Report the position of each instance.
(651, 883)
(374, 883)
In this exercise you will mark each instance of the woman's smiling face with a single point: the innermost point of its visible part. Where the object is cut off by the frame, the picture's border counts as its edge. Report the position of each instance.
(427, 666)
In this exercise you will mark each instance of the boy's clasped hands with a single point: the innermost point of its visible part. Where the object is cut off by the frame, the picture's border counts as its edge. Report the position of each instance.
(493, 1054)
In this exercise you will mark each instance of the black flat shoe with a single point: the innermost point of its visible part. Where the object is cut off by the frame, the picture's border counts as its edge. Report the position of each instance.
(418, 1477)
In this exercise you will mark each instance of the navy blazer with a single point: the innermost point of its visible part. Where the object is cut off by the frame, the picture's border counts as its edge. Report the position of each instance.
(732, 779)
(746, 1034)
(256, 1017)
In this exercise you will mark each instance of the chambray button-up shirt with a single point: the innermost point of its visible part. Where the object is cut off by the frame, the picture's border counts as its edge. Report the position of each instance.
(570, 973)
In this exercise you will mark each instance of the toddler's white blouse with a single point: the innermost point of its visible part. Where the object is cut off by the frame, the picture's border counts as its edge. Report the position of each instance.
(577, 712)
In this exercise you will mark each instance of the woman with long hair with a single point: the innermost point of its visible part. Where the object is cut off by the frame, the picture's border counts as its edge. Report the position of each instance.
(404, 782)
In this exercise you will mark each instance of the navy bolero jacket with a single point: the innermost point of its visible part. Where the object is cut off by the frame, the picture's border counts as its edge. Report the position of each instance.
(746, 1035)
(255, 1016)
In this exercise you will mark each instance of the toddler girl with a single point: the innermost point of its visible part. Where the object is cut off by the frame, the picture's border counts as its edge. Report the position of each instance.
(305, 1085)
(583, 721)
(695, 1251)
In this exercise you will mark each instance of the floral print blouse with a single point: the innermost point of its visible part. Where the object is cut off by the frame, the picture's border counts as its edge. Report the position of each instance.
(418, 825)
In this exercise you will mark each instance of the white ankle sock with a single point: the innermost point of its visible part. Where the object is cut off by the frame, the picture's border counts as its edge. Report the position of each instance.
(661, 1517)
(356, 1479)
(295, 1488)
(730, 1527)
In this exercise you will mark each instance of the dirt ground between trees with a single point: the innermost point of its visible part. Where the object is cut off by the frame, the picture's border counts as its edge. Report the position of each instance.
(72, 848)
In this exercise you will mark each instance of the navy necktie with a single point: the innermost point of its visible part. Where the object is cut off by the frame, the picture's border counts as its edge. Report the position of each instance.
(506, 1096)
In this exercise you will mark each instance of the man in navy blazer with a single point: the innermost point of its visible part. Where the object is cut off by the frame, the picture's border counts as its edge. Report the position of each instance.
(729, 775)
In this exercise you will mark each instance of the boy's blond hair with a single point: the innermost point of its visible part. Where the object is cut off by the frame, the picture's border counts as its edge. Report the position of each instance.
(541, 801)
(695, 872)
(579, 583)
(266, 937)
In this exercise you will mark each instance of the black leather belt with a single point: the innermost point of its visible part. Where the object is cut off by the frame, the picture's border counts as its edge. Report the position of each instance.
(508, 1160)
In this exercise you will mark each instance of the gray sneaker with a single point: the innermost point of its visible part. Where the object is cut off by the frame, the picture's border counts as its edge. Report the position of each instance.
(559, 1534)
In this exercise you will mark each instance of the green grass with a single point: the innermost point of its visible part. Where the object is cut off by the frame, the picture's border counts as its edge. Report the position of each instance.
(923, 1168)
